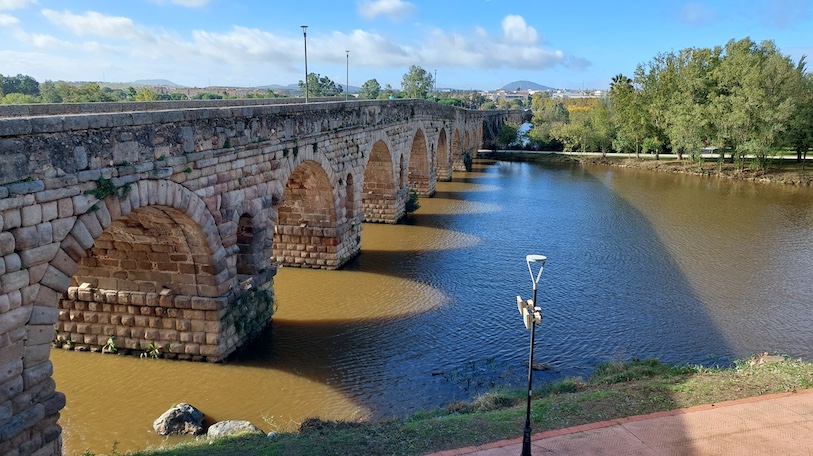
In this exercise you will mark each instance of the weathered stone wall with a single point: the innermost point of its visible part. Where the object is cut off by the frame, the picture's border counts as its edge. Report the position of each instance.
(156, 227)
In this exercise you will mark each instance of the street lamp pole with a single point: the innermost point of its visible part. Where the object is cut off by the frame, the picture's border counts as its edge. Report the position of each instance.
(436, 83)
(347, 77)
(531, 316)
(305, 37)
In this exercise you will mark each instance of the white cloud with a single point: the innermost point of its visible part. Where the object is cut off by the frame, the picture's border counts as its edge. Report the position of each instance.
(127, 50)
(7, 20)
(395, 9)
(93, 23)
(243, 44)
(48, 42)
(15, 4)
(516, 47)
(517, 30)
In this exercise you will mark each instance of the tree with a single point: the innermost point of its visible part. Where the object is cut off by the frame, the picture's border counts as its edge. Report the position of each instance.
(508, 135)
(628, 115)
(145, 94)
(799, 133)
(19, 98)
(603, 128)
(85, 93)
(386, 93)
(620, 82)
(753, 101)
(416, 83)
(49, 92)
(657, 86)
(21, 83)
(370, 90)
(575, 134)
(320, 86)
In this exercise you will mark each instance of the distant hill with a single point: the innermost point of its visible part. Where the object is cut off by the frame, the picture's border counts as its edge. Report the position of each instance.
(525, 85)
(156, 82)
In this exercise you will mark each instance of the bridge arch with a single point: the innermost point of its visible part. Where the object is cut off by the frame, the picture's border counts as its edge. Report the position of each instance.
(421, 176)
(306, 234)
(444, 162)
(150, 270)
(457, 151)
(383, 198)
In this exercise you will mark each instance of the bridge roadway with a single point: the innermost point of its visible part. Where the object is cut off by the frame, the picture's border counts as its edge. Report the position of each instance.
(160, 225)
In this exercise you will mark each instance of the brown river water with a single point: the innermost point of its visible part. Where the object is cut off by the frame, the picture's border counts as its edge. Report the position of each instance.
(683, 268)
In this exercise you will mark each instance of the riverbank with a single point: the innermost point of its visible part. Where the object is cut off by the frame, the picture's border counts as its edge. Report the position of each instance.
(615, 390)
(782, 171)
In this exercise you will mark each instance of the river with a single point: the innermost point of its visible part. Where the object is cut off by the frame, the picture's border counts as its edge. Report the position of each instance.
(684, 268)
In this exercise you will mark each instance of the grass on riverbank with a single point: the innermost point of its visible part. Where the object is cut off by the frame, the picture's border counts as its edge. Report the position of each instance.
(615, 390)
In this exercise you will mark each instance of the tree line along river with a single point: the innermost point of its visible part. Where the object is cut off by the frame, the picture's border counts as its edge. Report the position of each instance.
(684, 268)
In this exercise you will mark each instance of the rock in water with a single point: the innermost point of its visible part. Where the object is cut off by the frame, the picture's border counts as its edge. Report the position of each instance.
(180, 419)
(224, 428)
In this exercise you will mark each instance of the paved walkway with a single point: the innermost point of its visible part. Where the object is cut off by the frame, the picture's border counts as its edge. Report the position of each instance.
(776, 424)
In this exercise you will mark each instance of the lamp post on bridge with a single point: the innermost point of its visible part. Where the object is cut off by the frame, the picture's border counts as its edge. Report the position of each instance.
(347, 77)
(305, 37)
(531, 316)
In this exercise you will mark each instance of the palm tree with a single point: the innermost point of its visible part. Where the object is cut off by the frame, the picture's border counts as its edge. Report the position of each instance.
(619, 81)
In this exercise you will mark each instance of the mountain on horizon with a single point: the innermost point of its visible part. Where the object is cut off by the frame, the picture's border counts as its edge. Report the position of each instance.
(524, 85)
(156, 82)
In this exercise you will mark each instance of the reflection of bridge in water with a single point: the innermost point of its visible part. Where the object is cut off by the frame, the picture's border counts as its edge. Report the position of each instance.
(161, 228)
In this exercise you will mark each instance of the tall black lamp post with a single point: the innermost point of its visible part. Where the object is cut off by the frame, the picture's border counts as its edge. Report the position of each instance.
(305, 37)
(531, 316)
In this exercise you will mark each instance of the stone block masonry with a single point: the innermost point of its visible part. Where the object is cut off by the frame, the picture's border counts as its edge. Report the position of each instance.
(158, 227)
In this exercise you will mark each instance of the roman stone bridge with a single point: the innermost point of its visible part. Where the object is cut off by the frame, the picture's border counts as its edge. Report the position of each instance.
(158, 227)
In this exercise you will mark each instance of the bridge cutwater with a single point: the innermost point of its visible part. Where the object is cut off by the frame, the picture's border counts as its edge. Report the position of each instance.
(160, 225)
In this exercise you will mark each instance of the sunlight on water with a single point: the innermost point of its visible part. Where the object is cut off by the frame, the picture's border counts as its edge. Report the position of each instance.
(311, 295)
(440, 204)
(456, 186)
(413, 238)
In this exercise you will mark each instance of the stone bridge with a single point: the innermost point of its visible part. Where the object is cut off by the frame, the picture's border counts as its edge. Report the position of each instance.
(159, 226)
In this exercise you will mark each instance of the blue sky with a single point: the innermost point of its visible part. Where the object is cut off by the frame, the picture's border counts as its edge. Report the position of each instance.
(480, 44)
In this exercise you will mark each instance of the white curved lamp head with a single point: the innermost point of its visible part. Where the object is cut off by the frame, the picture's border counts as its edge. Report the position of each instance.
(535, 259)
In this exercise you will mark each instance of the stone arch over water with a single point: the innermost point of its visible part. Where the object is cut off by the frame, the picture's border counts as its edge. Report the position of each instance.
(148, 269)
(383, 198)
(457, 152)
(306, 232)
(421, 177)
(444, 168)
